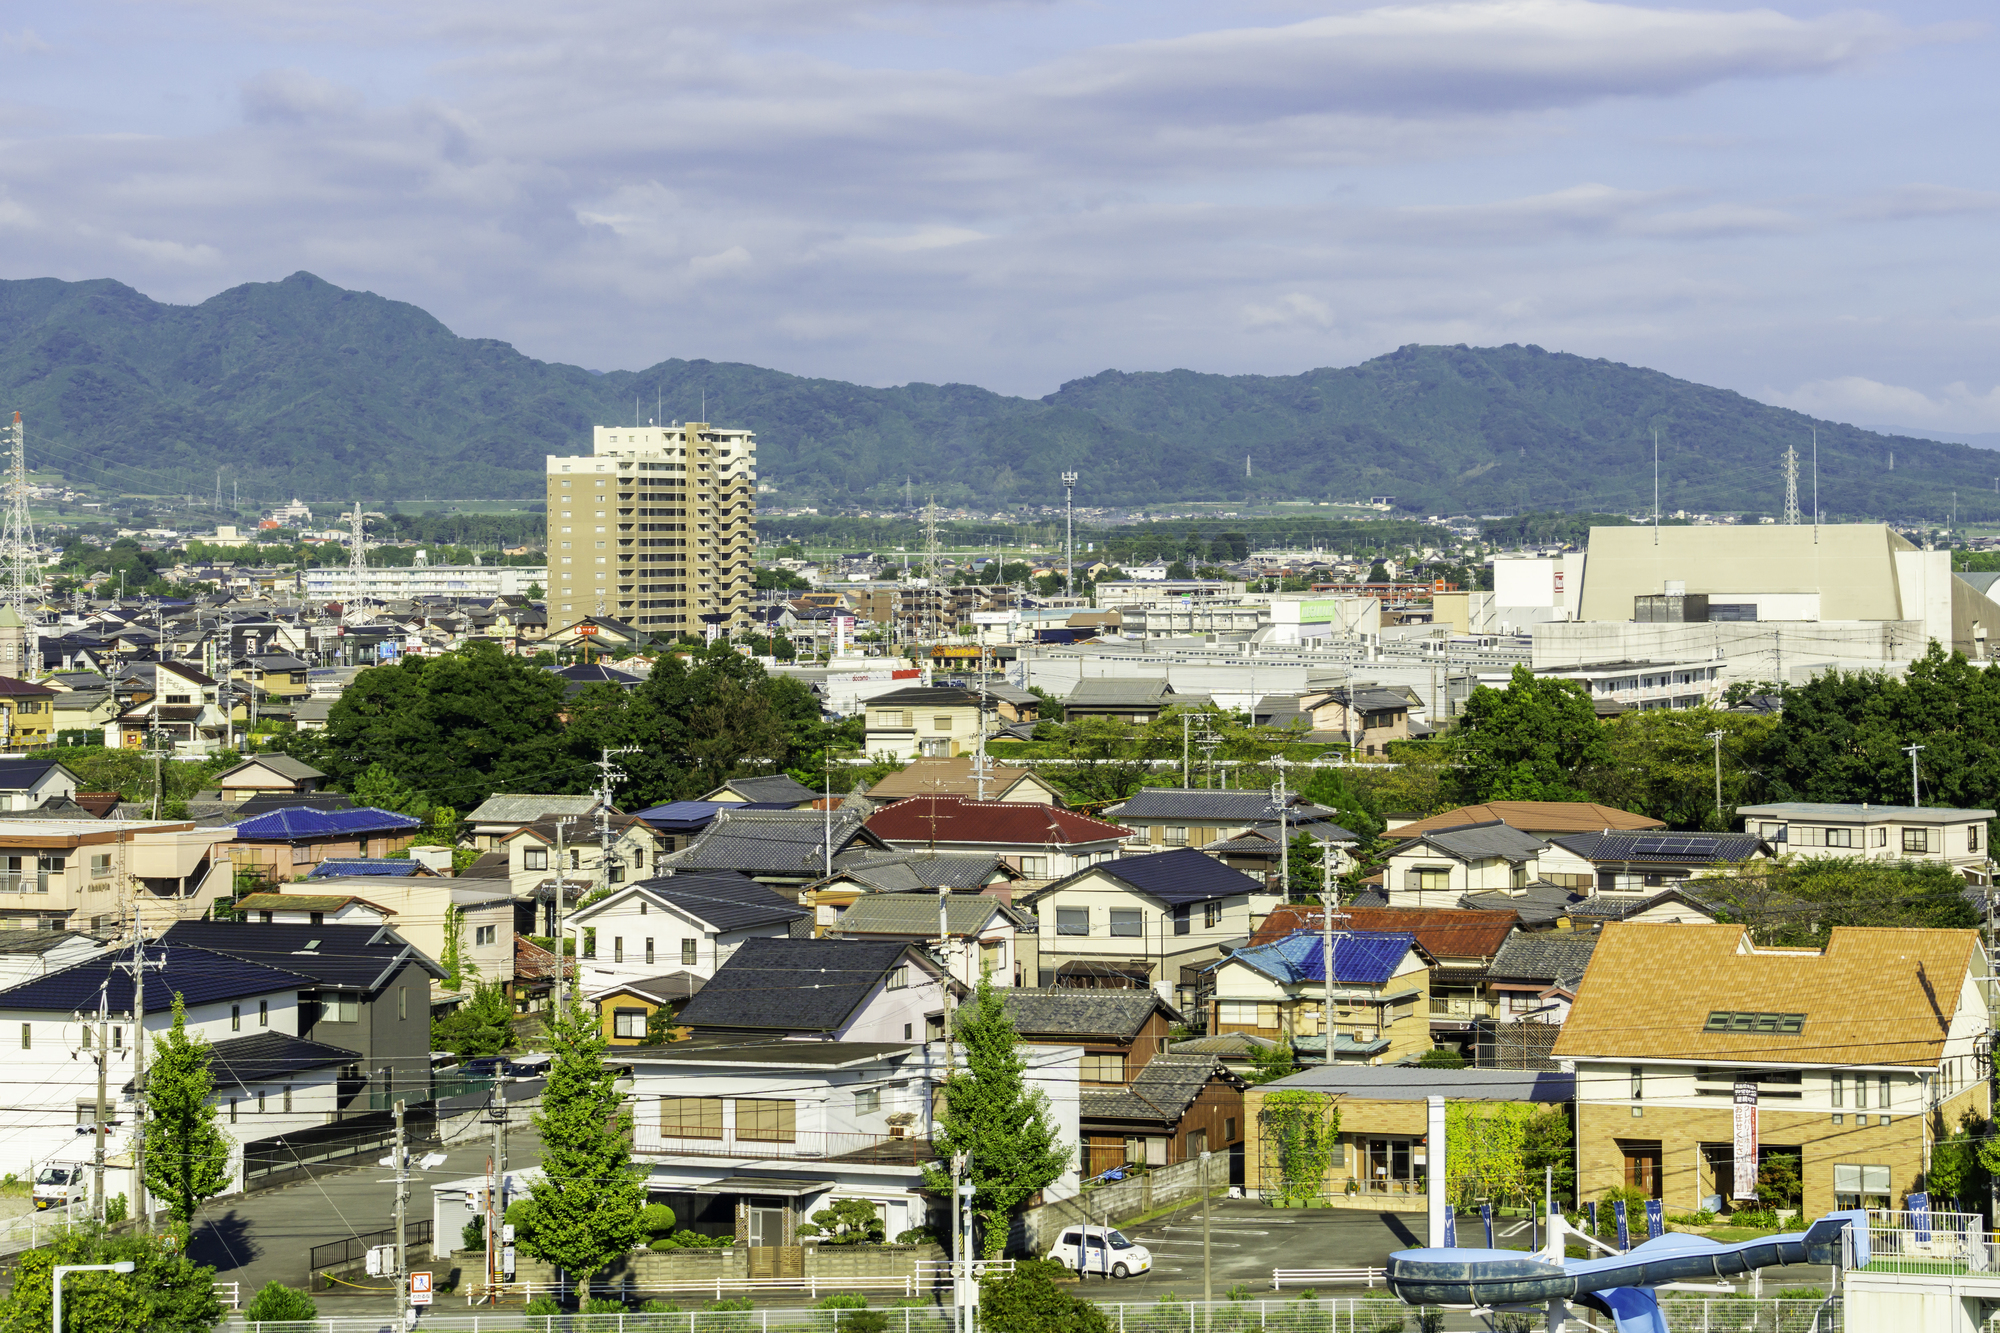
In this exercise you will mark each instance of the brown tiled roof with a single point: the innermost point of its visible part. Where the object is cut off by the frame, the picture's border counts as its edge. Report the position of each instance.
(1443, 932)
(951, 819)
(944, 777)
(1873, 997)
(1545, 817)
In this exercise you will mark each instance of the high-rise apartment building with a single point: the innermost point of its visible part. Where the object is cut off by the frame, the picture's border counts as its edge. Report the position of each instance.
(656, 527)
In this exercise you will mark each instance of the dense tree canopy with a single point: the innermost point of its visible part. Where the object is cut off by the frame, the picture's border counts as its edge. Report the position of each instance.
(1529, 741)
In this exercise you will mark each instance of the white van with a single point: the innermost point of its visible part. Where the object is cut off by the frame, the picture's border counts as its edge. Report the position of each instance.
(61, 1183)
(1100, 1250)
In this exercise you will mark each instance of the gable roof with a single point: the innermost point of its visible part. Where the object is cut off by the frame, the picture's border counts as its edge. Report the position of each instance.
(922, 868)
(925, 696)
(1161, 1092)
(1559, 957)
(658, 990)
(1157, 804)
(951, 777)
(303, 902)
(1360, 958)
(1183, 875)
(200, 976)
(1871, 997)
(787, 985)
(282, 764)
(526, 809)
(725, 899)
(785, 843)
(1413, 1083)
(375, 867)
(916, 914)
(299, 822)
(241, 1063)
(16, 774)
(367, 956)
(954, 819)
(1479, 842)
(1083, 1012)
(1681, 849)
(1443, 932)
(771, 789)
(1544, 817)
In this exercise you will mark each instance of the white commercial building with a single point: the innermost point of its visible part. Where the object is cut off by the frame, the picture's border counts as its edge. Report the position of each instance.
(335, 583)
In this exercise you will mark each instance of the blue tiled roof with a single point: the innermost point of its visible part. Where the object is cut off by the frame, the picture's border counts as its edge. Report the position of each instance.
(199, 976)
(365, 865)
(302, 822)
(1360, 957)
(1180, 876)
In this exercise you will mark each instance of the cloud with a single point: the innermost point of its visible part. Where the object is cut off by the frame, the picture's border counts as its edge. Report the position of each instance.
(1292, 310)
(1922, 201)
(1860, 401)
(296, 97)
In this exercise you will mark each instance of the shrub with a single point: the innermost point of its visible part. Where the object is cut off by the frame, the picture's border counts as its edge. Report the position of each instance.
(473, 1235)
(1029, 1301)
(1800, 1294)
(656, 1219)
(660, 1307)
(1430, 1319)
(542, 1306)
(278, 1303)
(1754, 1217)
(601, 1305)
(916, 1236)
(115, 1209)
(732, 1303)
(1700, 1217)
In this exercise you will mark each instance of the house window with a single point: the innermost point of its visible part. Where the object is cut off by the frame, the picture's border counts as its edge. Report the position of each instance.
(288, 1099)
(1917, 840)
(1035, 867)
(1861, 1092)
(590, 941)
(235, 1018)
(1427, 879)
(1838, 1089)
(490, 935)
(27, 1036)
(1183, 919)
(1772, 832)
(1860, 1186)
(1638, 1083)
(867, 1101)
(1176, 835)
(263, 1013)
(759, 1120)
(617, 948)
(1882, 1087)
(940, 724)
(232, 1110)
(1973, 837)
(1880, 838)
(639, 863)
(1840, 837)
(100, 865)
(898, 978)
(1211, 914)
(1127, 921)
(649, 948)
(628, 1022)
(1102, 1068)
(1229, 1129)
(535, 858)
(260, 1101)
(402, 1003)
(1072, 921)
(688, 953)
(691, 1117)
(340, 1006)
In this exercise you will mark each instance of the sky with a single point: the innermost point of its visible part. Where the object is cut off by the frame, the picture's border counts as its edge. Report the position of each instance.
(1795, 201)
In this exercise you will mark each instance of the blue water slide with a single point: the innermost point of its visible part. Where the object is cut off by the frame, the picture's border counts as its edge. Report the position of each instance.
(1618, 1284)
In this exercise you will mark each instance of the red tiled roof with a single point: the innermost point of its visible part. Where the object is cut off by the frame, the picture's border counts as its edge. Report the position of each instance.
(1444, 932)
(954, 819)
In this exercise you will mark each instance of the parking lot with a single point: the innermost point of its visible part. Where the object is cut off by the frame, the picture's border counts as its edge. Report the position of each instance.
(1249, 1239)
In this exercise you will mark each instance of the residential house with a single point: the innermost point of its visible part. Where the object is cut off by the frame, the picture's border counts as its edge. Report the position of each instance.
(1014, 704)
(1380, 1001)
(986, 934)
(497, 816)
(28, 784)
(1440, 867)
(308, 714)
(748, 1139)
(287, 844)
(1037, 841)
(776, 791)
(1366, 717)
(959, 777)
(1811, 829)
(1123, 699)
(580, 676)
(74, 873)
(679, 823)
(575, 850)
(474, 920)
(1858, 1056)
(1530, 987)
(1644, 863)
(1149, 921)
(937, 722)
(1543, 819)
(166, 703)
(1179, 1107)
(310, 909)
(598, 634)
(786, 849)
(693, 922)
(625, 1008)
(1241, 828)
(269, 1082)
(27, 715)
(362, 988)
(1381, 1160)
(375, 867)
(83, 704)
(1119, 1031)
(27, 954)
(270, 679)
(830, 990)
(267, 775)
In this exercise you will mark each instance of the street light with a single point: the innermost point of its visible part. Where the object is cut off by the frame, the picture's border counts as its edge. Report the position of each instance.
(60, 1271)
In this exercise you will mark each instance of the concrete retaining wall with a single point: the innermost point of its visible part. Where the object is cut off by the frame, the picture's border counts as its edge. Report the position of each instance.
(1034, 1230)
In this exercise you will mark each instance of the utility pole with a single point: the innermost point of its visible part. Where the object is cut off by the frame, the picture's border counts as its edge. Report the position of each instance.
(1912, 751)
(1329, 899)
(1279, 798)
(979, 759)
(402, 1198)
(140, 962)
(1069, 534)
(562, 886)
(1207, 1268)
(103, 1054)
(1716, 738)
(496, 1211)
(607, 774)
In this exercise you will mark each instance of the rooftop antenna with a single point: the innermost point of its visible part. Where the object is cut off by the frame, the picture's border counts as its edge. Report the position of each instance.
(19, 539)
(1791, 486)
(1815, 462)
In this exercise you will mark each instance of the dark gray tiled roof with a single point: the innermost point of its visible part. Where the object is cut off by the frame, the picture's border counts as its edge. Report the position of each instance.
(1083, 1011)
(1619, 906)
(1474, 842)
(1548, 956)
(772, 842)
(1162, 1091)
(1540, 904)
(1680, 849)
(787, 985)
(241, 1063)
(365, 956)
(1228, 1045)
(727, 900)
(916, 914)
(894, 872)
(1183, 875)
(1111, 691)
(773, 789)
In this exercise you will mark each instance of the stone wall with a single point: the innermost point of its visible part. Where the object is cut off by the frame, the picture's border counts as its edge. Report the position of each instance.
(1034, 1230)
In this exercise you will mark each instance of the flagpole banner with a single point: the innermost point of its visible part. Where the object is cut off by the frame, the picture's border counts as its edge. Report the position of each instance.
(1920, 1216)
(1746, 1139)
(1624, 1226)
(1450, 1227)
(1486, 1216)
(1656, 1222)
(1593, 1217)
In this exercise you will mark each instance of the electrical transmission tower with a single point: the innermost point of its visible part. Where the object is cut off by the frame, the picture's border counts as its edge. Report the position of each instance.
(23, 579)
(356, 611)
(933, 594)
(1791, 486)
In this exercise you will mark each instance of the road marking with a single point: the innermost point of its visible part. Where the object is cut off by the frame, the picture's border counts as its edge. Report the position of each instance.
(1218, 1244)
(1221, 1231)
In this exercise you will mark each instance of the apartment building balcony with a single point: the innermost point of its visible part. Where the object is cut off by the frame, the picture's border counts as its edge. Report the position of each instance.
(1453, 1013)
(800, 1145)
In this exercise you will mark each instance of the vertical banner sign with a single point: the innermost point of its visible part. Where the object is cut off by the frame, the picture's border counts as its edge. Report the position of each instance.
(1486, 1216)
(1656, 1222)
(1593, 1217)
(1746, 1139)
(1450, 1227)
(1624, 1225)
(1920, 1217)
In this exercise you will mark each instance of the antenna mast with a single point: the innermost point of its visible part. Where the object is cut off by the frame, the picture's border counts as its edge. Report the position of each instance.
(1791, 486)
(23, 579)
(1069, 532)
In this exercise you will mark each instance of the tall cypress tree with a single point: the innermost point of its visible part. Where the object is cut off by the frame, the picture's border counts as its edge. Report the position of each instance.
(187, 1155)
(991, 1112)
(585, 1208)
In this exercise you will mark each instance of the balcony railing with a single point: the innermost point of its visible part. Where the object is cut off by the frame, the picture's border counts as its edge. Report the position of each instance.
(1448, 1007)
(802, 1145)
(1944, 1244)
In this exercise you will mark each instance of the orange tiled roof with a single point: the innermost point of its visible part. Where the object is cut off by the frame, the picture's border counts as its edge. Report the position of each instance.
(1551, 818)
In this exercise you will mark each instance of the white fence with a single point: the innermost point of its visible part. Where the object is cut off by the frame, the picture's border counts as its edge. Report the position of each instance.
(1371, 1315)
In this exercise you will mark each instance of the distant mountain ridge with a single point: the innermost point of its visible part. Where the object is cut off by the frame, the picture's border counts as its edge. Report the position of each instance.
(302, 386)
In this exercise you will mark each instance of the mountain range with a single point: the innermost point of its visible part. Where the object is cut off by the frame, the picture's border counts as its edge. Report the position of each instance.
(300, 386)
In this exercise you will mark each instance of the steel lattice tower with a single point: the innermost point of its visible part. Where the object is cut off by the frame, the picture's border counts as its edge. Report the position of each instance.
(23, 578)
(1791, 486)
(356, 612)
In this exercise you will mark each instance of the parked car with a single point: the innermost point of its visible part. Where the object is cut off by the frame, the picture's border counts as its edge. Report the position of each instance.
(1101, 1250)
(59, 1184)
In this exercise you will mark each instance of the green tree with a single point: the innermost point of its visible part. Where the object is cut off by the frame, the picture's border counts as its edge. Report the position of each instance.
(1439, 1058)
(1028, 1300)
(1528, 741)
(187, 1154)
(165, 1293)
(992, 1113)
(846, 1222)
(1660, 762)
(1797, 903)
(1545, 1147)
(380, 788)
(1960, 1170)
(483, 1025)
(1269, 1063)
(536, 592)
(279, 1304)
(1103, 759)
(586, 1205)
